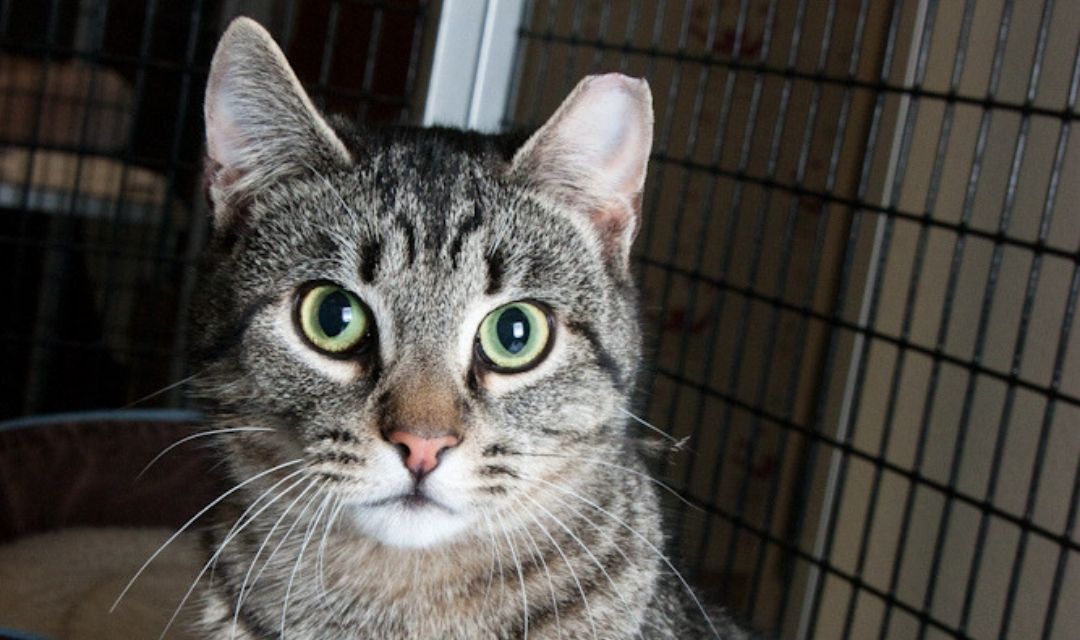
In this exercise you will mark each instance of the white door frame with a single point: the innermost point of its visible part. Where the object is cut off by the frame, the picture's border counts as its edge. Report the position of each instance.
(472, 66)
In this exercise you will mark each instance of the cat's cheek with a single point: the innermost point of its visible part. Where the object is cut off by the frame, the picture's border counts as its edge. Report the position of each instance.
(341, 371)
(587, 413)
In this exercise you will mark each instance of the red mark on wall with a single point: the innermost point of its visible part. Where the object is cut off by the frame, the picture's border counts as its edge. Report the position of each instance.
(762, 467)
(748, 48)
(680, 320)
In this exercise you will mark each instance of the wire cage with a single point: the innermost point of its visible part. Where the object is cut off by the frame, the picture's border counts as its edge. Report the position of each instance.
(103, 211)
(860, 262)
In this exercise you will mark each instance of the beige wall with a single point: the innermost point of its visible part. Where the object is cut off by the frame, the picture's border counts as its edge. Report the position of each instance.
(959, 331)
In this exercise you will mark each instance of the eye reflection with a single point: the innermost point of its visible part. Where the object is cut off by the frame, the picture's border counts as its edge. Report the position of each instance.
(332, 319)
(515, 337)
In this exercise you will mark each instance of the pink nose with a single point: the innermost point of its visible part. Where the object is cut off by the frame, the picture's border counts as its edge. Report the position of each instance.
(421, 455)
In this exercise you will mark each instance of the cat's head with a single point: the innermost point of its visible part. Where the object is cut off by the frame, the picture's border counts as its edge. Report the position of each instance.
(432, 323)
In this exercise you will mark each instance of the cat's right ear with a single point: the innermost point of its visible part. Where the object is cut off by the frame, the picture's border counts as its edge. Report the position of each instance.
(260, 124)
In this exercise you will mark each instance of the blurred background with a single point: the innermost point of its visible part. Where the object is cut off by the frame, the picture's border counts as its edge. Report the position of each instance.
(859, 260)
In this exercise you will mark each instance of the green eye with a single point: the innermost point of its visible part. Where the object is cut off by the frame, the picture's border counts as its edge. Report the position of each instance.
(514, 337)
(332, 319)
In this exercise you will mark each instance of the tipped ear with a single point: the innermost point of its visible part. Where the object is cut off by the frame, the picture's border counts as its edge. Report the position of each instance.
(260, 124)
(591, 156)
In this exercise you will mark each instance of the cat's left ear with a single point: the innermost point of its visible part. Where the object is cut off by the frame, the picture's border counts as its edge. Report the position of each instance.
(260, 124)
(591, 157)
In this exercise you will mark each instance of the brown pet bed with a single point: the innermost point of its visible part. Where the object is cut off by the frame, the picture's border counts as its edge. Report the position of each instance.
(75, 523)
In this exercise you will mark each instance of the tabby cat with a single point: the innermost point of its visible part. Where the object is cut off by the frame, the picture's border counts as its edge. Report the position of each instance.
(427, 341)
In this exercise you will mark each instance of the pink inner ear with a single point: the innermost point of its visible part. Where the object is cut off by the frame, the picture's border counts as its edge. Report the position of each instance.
(223, 138)
(610, 222)
(610, 125)
(627, 168)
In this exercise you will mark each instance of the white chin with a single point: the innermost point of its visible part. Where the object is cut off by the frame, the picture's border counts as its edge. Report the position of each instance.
(410, 527)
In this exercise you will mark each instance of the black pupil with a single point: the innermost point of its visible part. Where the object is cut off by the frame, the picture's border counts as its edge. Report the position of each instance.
(513, 330)
(335, 313)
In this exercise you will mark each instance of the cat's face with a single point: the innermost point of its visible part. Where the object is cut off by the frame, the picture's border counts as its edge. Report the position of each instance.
(429, 325)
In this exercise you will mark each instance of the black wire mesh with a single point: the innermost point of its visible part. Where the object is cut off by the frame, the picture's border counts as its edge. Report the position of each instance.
(860, 267)
(101, 207)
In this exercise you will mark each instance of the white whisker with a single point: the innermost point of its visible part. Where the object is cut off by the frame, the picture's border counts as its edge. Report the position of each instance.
(640, 474)
(162, 390)
(664, 434)
(320, 556)
(636, 533)
(258, 552)
(499, 564)
(539, 555)
(192, 520)
(240, 524)
(588, 552)
(521, 575)
(194, 436)
(491, 567)
(570, 567)
(300, 558)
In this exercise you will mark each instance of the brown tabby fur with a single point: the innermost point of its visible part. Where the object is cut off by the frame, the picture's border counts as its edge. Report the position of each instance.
(542, 522)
